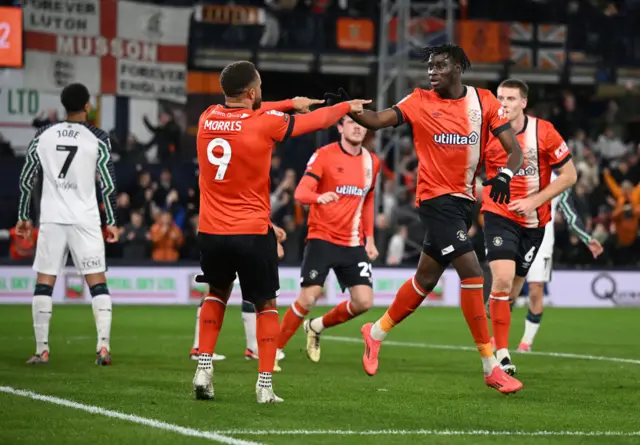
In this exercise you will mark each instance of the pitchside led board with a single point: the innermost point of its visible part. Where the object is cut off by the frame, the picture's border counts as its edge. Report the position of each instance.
(11, 37)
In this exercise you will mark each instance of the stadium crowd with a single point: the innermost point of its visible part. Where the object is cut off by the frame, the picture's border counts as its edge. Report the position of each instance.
(158, 200)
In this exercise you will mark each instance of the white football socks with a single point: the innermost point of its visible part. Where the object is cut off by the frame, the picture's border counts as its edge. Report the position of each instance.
(196, 336)
(41, 309)
(102, 314)
(264, 380)
(503, 353)
(377, 333)
(249, 322)
(317, 325)
(530, 331)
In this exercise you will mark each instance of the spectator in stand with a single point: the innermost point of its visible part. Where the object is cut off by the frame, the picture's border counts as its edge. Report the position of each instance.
(609, 146)
(166, 137)
(20, 248)
(568, 119)
(625, 218)
(123, 212)
(133, 151)
(167, 239)
(135, 238)
(162, 189)
(578, 145)
(173, 206)
(193, 201)
(588, 172)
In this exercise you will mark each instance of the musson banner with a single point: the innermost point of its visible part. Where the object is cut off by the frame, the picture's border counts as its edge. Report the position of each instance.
(164, 285)
(113, 47)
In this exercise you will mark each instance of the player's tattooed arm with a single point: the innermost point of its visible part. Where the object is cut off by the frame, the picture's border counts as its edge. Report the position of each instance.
(510, 144)
(27, 178)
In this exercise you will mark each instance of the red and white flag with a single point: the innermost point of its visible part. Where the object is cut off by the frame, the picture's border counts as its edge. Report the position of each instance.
(113, 47)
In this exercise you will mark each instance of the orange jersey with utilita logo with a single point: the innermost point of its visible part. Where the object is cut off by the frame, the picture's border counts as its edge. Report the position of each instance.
(449, 137)
(544, 149)
(348, 220)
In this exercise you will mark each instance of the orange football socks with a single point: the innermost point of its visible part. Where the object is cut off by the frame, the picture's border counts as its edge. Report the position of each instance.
(268, 329)
(409, 297)
(291, 322)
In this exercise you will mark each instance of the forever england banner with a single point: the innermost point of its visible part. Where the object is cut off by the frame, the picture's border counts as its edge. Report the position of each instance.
(114, 47)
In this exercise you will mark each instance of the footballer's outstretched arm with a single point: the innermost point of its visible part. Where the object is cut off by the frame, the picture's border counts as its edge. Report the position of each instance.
(299, 104)
(375, 120)
(565, 202)
(281, 105)
(27, 177)
(509, 142)
(319, 119)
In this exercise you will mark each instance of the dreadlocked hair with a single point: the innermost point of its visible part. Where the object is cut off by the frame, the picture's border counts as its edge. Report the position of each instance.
(455, 52)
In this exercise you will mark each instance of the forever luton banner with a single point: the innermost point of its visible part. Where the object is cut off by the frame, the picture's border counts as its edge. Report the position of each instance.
(114, 47)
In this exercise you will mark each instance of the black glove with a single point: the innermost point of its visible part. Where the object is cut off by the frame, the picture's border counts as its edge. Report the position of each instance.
(332, 99)
(500, 189)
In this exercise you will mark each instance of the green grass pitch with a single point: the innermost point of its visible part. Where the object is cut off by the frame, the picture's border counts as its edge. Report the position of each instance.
(423, 388)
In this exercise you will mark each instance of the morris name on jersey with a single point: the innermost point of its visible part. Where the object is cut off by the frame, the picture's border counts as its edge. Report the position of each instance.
(222, 125)
(456, 139)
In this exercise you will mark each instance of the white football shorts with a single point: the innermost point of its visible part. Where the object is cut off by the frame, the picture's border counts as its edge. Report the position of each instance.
(55, 241)
(540, 270)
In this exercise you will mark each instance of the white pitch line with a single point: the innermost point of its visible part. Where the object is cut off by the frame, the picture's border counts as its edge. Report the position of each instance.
(428, 433)
(469, 348)
(214, 437)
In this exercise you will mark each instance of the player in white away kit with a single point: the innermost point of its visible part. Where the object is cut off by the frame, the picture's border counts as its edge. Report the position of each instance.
(540, 271)
(68, 154)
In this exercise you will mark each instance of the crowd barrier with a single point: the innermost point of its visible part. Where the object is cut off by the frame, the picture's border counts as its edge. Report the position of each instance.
(176, 285)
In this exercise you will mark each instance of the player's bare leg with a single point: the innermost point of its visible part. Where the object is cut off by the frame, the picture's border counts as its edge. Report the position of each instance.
(268, 328)
(471, 300)
(294, 316)
(211, 319)
(534, 316)
(42, 308)
(102, 314)
(409, 297)
(503, 272)
(360, 302)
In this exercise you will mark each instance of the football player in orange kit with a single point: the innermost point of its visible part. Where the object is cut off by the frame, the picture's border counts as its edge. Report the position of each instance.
(514, 231)
(235, 143)
(338, 185)
(451, 125)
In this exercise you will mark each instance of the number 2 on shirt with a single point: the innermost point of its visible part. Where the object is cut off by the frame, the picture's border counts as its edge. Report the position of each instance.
(223, 161)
